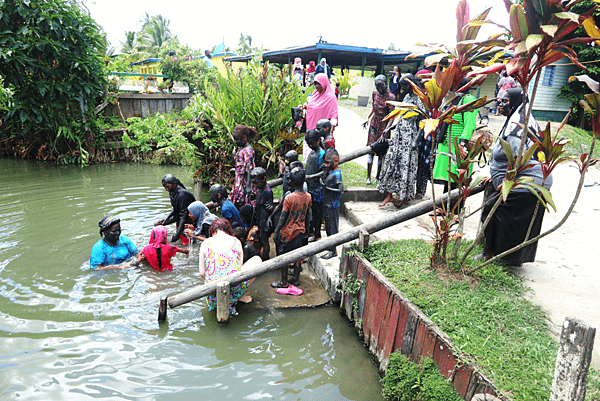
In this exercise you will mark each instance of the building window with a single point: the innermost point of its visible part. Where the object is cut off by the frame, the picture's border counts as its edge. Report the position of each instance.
(548, 78)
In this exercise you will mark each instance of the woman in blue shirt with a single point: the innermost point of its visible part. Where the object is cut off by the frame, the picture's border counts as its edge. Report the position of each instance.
(111, 251)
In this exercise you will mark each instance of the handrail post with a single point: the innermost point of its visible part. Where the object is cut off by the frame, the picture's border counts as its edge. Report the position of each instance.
(223, 302)
(162, 309)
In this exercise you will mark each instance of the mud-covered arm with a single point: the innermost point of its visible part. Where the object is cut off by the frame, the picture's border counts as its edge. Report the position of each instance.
(282, 220)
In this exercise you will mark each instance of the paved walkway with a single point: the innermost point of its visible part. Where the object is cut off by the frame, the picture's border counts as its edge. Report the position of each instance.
(564, 278)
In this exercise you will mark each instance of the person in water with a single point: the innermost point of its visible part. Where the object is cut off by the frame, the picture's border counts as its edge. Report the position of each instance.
(180, 198)
(158, 253)
(111, 251)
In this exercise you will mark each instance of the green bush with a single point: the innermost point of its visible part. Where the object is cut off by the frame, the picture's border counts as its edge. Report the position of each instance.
(347, 80)
(163, 135)
(258, 96)
(50, 59)
(194, 72)
(407, 381)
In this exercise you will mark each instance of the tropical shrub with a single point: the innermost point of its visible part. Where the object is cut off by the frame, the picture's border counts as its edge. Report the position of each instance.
(50, 60)
(161, 139)
(346, 80)
(258, 96)
(194, 72)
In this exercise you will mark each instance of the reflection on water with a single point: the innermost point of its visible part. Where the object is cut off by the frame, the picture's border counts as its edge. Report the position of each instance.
(67, 332)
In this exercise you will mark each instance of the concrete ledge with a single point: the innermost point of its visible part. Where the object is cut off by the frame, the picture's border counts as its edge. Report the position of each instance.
(328, 272)
(360, 194)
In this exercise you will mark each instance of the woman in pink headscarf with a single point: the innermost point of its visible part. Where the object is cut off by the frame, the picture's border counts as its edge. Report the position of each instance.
(321, 104)
(158, 252)
(297, 70)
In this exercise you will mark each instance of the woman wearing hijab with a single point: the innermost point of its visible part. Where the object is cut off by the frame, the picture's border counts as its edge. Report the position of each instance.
(297, 70)
(111, 251)
(158, 253)
(379, 110)
(321, 104)
(310, 73)
(463, 130)
(202, 219)
(511, 221)
(323, 68)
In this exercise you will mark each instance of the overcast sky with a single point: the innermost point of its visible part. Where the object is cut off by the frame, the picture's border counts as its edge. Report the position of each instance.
(279, 24)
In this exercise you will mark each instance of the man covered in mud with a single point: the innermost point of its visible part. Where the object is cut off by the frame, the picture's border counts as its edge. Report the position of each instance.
(180, 198)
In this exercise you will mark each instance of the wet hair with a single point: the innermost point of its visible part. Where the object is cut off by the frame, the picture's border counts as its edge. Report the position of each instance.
(246, 213)
(297, 177)
(258, 173)
(248, 132)
(171, 179)
(107, 222)
(240, 233)
(296, 163)
(330, 153)
(221, 224)
(217, 189)
(312, 136)
(292, 156)
(323, 123)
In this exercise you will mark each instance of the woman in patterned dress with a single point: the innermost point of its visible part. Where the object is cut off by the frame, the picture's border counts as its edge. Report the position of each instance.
(244, 163)
(221, 255)
(399, 172)
(379, 110)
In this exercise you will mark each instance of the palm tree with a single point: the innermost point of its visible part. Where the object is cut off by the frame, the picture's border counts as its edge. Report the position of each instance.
(245, 45)
(155, 32)
(129, 45)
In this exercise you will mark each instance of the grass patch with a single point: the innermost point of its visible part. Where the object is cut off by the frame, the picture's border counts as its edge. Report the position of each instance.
(581, 141)
(352, 104)
(487, 318)
(353, 175)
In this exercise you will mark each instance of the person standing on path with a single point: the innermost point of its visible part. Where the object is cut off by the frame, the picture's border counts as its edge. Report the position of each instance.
(321, 104)
(463, 131)
(379, 110)
(399, 172)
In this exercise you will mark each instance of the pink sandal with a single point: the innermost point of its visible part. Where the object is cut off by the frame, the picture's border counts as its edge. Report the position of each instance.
(290, 290)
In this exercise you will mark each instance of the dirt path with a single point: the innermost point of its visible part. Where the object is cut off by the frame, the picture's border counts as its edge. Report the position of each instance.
(564, 278)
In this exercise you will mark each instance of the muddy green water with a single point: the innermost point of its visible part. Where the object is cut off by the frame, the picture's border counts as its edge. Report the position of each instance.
(70, 333)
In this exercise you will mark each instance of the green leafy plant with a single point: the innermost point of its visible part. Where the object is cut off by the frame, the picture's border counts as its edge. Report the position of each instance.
(258, 96)
(162, 135)
(346, 80)
(192, 71)
(50, 59)
(407, 381)
(536, 38)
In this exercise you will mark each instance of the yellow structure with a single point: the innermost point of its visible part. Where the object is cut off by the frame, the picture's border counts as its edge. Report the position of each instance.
(147, 66)
(152, 65)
